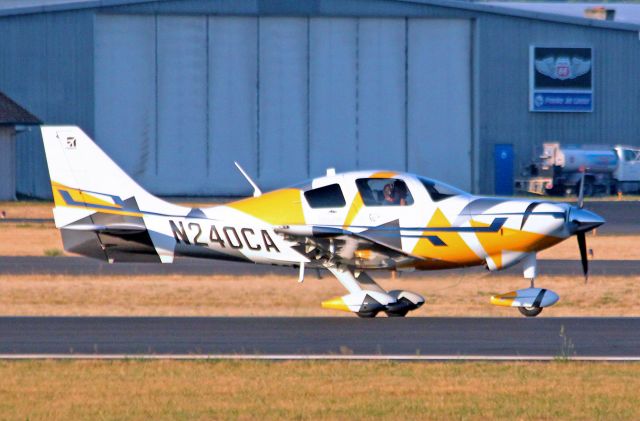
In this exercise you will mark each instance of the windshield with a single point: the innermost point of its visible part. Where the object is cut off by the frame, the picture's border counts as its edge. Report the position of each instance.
(440, 191)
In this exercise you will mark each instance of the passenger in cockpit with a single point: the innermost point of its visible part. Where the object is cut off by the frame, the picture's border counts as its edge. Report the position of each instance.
(400, 193)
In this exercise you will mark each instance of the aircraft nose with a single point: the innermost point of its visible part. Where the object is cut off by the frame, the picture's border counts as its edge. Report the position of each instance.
(581, 220)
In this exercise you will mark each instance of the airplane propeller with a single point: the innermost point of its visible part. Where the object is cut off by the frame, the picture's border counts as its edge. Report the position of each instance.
(583, 221)
(581, 193)
(582, 244)
(582, 239)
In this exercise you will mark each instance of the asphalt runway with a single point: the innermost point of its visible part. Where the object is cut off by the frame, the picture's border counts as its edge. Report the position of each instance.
(73, 266)
(348, 336)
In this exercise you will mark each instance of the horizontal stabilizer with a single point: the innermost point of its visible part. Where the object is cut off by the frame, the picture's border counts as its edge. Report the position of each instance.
(121, 228)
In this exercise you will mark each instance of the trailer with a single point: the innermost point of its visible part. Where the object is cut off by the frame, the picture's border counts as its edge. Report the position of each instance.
(559, 169)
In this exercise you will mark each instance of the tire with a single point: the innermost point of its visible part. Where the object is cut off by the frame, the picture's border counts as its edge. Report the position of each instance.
(397, 314)
(589, 189)
(367, 314)
(530, 311)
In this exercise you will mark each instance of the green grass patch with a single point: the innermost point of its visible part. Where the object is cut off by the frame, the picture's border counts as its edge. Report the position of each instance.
(53, 252)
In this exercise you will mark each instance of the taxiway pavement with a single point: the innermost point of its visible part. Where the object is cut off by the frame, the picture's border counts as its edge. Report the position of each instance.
(285, 336)
(26, 265)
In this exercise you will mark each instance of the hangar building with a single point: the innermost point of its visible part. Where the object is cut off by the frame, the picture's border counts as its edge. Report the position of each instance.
(176, 91)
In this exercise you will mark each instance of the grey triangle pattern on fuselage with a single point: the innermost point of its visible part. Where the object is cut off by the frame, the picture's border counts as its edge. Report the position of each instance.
(387, 234)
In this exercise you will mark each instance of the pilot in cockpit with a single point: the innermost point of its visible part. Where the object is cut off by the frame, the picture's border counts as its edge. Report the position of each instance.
(395, 194)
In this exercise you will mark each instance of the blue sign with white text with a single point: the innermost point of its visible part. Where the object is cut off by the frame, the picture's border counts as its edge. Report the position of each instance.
(562, 101)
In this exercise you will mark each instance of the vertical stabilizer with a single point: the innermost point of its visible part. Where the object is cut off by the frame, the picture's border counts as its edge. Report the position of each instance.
(84, 179)
(100, 210)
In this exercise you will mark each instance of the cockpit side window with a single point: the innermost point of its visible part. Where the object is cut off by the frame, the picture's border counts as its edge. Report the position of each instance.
(384, 192)
(629, 155)
(325, 197)
(439, 191)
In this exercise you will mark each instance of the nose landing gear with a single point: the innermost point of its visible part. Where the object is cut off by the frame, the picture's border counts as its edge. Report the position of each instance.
(529, 301)
(530, 311)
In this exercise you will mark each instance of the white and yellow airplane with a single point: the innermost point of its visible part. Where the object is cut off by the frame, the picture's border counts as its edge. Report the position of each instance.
(346, 223)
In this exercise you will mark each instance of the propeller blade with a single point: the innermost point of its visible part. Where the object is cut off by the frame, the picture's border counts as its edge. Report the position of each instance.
(582, 244)
(581, 193)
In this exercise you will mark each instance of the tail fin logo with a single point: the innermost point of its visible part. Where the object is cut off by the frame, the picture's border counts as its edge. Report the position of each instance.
(71, 142)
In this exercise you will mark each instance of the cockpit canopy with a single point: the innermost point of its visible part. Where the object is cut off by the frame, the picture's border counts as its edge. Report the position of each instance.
(438, 190)
(393, 190)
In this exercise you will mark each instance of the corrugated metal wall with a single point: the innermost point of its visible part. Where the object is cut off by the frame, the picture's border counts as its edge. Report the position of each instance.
(7, 163)
(179, 98)
(46, 66)
(504, 79)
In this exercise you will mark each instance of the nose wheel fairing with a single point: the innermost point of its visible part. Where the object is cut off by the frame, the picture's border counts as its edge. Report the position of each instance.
(529, 301)
(527, 298)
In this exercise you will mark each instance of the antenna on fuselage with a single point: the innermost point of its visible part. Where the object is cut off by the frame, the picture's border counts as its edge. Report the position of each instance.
(256, 190)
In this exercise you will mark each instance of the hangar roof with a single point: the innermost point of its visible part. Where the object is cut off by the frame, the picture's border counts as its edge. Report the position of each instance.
(19, 7)
(625, 12)
(11, 113)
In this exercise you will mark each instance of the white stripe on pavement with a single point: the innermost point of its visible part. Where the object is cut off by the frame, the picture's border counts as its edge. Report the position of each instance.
(313, 357)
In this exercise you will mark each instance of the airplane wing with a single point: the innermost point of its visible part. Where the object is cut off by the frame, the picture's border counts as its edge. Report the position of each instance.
(374, 248)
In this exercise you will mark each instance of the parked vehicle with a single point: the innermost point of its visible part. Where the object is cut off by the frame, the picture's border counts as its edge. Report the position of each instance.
(558, 170)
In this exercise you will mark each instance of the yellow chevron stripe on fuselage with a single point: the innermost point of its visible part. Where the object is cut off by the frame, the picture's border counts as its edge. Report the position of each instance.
(279, 207)
(455, 253)
(355, 207)
(384, 174)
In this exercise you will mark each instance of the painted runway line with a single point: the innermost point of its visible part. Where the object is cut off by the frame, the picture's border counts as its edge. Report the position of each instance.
(293, 357)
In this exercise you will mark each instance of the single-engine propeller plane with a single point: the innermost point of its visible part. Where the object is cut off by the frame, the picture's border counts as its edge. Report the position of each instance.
(350, 224)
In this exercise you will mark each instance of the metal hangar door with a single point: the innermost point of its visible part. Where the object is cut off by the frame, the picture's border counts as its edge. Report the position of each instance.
(179, 98)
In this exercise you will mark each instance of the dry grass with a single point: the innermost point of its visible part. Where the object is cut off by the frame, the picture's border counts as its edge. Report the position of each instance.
(604, 247)
(29, 239)
(138, 390)
(466, 295)
(27, 209)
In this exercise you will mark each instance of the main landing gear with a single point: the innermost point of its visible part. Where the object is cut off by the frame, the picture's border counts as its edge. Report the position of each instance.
(366, 298)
